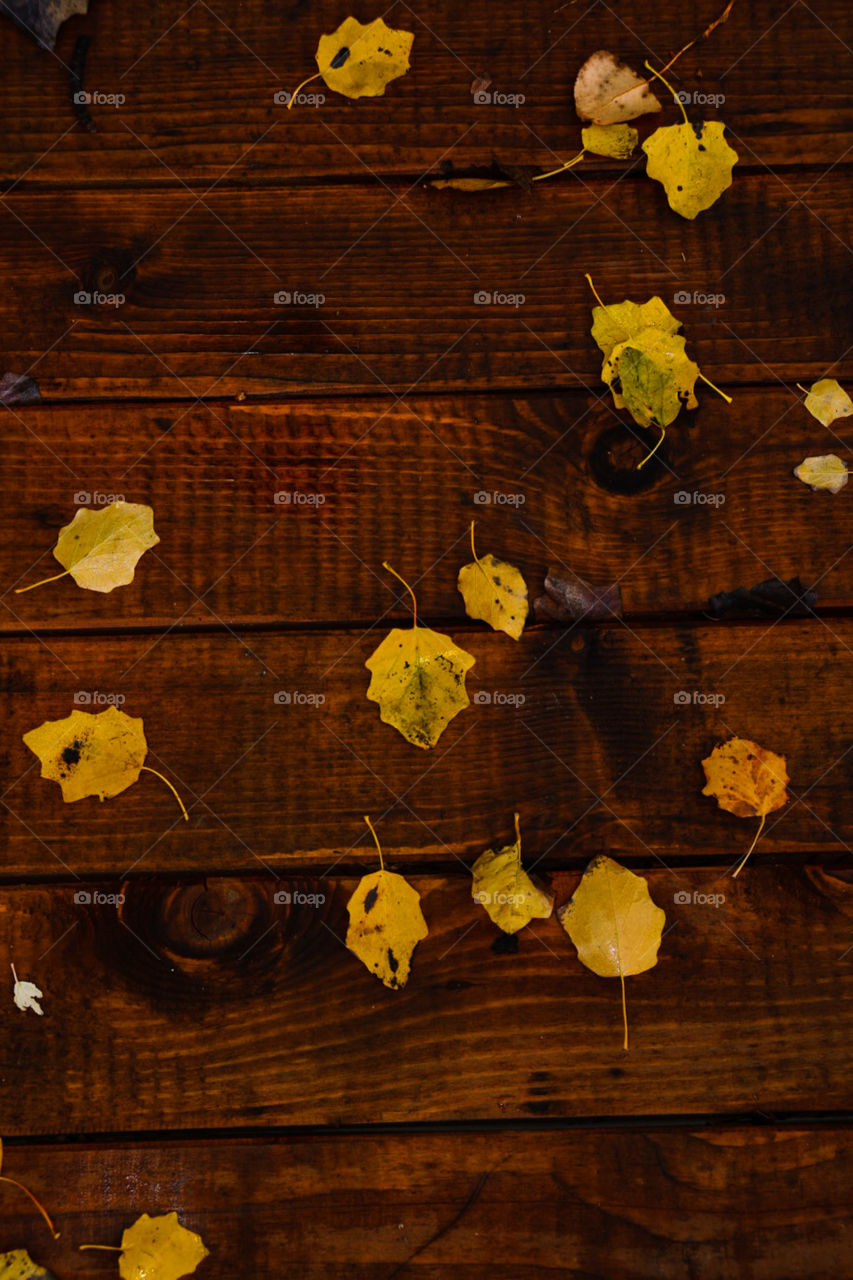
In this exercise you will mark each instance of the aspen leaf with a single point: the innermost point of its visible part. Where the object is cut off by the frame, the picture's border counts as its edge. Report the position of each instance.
(385, 923)
(99, 754)
(159, 1249)
(504, 888)
(616, 140)
(101, 546)
(494, 591)
(608, 91)
(824, 471)
(418, 679)
(26, 995)
(18, 1265)
(747, 780)
(613, 923)
(360, 60)
(827, 400)
(692, 161)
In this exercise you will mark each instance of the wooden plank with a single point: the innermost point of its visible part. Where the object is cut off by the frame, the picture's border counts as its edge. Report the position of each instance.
(720, 1202)
(368, 478)
(199, 85)
(400, 279)
(594, 735)
(204, 1001)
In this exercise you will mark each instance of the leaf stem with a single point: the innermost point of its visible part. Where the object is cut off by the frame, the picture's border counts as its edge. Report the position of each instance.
(113, 1248)
(563, 167)
(588, 278)
(624, 1008)
(56, 576)
(742, 862)
(517, 832)
(654, 451)
(727, 399)
(675, 96)
(292, 99)
(376, 839)
(386, 565)
(148, 769)
(44, 1213)
(703, 36)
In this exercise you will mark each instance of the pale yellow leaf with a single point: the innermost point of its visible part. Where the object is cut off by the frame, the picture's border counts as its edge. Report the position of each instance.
(616, 140)
(501, 885)
(824, 471)
(608, 91)
(827, 400)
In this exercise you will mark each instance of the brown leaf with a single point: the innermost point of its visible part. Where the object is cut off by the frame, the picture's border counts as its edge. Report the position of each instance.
(43, 18)
(574, 601)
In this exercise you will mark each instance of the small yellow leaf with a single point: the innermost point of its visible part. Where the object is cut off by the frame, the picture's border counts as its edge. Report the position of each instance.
(746, 779)
(386, 924)
(618, 321)
(90, 755)
(655, 375)
(159, 1249)
(468, 184)
(18, 1265)
(608, 91)
(824, 471)
(360, 60)
(827, 400)
(494, 591)
(616, 140)
(693, 162)
(504, 888)
(614, 923)
(101, 546)
(418, 679)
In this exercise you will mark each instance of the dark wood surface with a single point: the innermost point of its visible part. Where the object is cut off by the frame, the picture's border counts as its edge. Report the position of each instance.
(209, 1049)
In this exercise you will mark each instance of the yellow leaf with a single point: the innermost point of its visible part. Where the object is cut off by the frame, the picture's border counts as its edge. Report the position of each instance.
(18, 1265)
(504, 888)
(825, 471)
(494, 591)
(746, 780)
(468, 184)
(385, 923)
(418, 679)
(613, 922)
(827, 400)
(617, 140)
(618, 321)
(159, 1249)
(101, 546)
(93, 755)
(693, 162)
(608, 91)
(90, 755)
(655, 374)
(358, 61)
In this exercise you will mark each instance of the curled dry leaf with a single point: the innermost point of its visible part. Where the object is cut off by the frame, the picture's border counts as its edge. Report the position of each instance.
(824, 471)
(574, 601)
(616, 140)
(827, 400)
(494, 591)
(101, 546)
(509, 895)
(614, 923)
(43, 18)
(159, 1249)
(767, 599)
(26, 995)
(468, 184)
(386, 923)
(747, 780)
(608, 91)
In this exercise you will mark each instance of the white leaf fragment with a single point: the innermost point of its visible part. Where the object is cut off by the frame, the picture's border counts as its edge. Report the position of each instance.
(26, 995)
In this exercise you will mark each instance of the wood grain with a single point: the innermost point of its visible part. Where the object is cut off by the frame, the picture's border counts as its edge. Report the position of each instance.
(583, 731)
(205, 1001)
(379, 1205)
(199, 85)
(369, 480)
(400, 278)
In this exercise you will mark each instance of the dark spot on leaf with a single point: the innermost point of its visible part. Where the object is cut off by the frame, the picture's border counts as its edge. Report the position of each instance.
(340, 58)
(392, 961)
(71, 755)
(370, 900)
(681, 188)
(701, 146)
